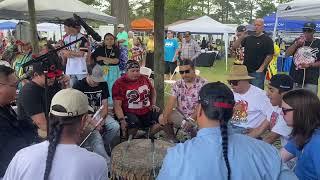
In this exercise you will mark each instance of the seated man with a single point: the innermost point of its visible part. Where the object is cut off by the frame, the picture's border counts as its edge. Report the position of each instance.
(279, 85)
(95, 87)
(185, 95)
(252, 104)
(134, 100)
(60, 157)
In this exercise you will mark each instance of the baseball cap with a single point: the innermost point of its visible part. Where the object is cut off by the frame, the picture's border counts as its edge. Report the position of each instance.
(120, 25)
(74, 101)
(250, 27)
(241, 28)
(97, 74)
(282, 82)
(309, 25)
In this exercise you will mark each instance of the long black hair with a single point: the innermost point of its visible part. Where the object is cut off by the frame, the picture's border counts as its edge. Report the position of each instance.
(114, 38)
(217, 102)
(56, 126)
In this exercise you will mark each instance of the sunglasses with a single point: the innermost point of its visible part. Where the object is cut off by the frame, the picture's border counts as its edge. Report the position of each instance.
(233, 82)
(184, 72)
(285, 110)
(308, 30)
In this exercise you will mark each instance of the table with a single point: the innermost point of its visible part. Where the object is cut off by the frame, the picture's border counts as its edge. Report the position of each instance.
(205, 59)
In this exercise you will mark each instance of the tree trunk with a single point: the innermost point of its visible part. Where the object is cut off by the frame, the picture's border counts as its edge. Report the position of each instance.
(159, 51)
(33, 27)
(120, 10)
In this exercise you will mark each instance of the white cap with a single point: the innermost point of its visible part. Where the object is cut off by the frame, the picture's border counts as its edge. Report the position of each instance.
(120, 25)
(74, 101)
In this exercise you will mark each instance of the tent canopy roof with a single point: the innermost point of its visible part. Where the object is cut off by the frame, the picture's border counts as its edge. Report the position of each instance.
(142, 24)
(52, 10)
(204, 24)
(300, 10)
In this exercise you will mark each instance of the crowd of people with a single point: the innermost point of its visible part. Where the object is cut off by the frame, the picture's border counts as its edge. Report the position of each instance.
(98, 89)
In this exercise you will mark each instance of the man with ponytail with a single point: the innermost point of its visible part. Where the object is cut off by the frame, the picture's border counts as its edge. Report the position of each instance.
(215, 153)
(60, 158)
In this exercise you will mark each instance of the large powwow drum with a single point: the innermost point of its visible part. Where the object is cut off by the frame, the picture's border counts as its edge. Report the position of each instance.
(138, 159)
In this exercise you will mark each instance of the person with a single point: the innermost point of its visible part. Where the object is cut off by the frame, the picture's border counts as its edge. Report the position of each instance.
(278, 86)
(252, 104)
(150, 52)
(272, 67)
(130, 42)
(60, 157)
(204, 43)
(31, 100)
(122, 36)
(258, 53)
(301, 112)
(239, 51)
(134, 100)
(95, 87)
(185, 94)
(138, 51)
(218, 153)
(190, 49)
(14, 134)
(24, 55)
(306, 47)
(107, 56)
(75, 55)
(171, 47)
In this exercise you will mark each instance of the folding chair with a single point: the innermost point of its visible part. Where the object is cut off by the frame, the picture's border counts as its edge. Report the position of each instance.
(171, 81)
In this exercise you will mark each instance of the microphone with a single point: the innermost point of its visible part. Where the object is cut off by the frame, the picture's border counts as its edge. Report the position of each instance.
(89, 30)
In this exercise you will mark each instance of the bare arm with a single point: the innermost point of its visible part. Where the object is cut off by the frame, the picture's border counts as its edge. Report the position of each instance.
(257, 132)
(237, 43)
(40, 121)
(118, 109)
(168, 108)
(291, 50)
(153, 96)
(265, 63)
(104, 111)
(285, 155)
(271, 138)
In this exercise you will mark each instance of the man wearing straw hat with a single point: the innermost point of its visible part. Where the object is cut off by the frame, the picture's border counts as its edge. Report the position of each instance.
(252, 104)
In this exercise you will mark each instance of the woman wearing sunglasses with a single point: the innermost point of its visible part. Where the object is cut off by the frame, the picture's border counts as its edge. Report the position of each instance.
(301, 111)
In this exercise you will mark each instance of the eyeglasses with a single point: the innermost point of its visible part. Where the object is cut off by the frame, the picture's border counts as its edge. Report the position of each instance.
(285, 110)
(308, 30)
(11, 85)
(184, 72)
(233, 82)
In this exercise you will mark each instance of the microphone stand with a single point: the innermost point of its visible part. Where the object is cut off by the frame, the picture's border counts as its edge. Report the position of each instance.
(44, 59)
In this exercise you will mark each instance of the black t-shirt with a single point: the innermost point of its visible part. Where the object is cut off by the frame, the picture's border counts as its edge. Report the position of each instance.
(95, 94)
(312, 73)
(256, 49)
(105, 52)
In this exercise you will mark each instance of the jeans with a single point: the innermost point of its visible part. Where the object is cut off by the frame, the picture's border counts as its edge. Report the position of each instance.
(259, 79)
(112, 130)
(311, 87)
(75, 78)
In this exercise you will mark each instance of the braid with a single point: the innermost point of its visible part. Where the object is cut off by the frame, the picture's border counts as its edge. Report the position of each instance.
(224, 135)
(54, 138)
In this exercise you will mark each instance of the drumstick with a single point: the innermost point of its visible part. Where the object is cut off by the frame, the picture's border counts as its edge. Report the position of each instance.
(153, 156)
(184, 117)
(95, 127)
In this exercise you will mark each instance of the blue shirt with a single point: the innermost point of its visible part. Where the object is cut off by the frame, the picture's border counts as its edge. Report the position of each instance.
(201, 158)
(308, 163)
(170, 48)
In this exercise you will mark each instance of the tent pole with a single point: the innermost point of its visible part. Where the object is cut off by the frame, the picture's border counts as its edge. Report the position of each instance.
(275, 26)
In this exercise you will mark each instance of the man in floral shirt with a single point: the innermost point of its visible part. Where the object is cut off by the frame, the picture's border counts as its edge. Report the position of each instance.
(185, 95)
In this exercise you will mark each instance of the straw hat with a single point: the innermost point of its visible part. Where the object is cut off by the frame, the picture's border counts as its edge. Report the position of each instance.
(239, 72)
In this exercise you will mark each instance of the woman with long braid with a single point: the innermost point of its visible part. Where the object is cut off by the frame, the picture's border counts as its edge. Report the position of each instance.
(60, 158)
(217, 154)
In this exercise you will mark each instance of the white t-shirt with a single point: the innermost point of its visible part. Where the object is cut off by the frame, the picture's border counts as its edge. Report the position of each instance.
(251, 108)
(70, 162)
(75, 65)
(279, 126)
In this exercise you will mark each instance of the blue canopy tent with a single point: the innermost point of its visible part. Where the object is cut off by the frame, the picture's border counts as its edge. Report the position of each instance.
(284, 24)
(7, 25)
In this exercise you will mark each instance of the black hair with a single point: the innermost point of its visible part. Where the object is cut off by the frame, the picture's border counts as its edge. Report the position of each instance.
(5, 71)
(217, 102)
(71, 22)
(110, 34)
(56, 127)
(187, 62)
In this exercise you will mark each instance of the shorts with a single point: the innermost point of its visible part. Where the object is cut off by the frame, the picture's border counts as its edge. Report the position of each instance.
(142, 121)
(170, 67)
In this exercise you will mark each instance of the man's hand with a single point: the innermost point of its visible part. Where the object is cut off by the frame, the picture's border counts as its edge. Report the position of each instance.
(300, 41)
(64, 80)
(259, 70)
(304, 65)
(162, 120)
(155, 108)
(123, 125)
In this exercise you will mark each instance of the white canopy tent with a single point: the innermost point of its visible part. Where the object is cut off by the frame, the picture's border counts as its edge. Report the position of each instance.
(206, 25)
(52, 10)
(308, 10)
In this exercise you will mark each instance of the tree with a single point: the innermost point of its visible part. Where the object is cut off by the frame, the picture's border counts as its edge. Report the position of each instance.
(120, 10)
(266, 7)
(33, 27)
